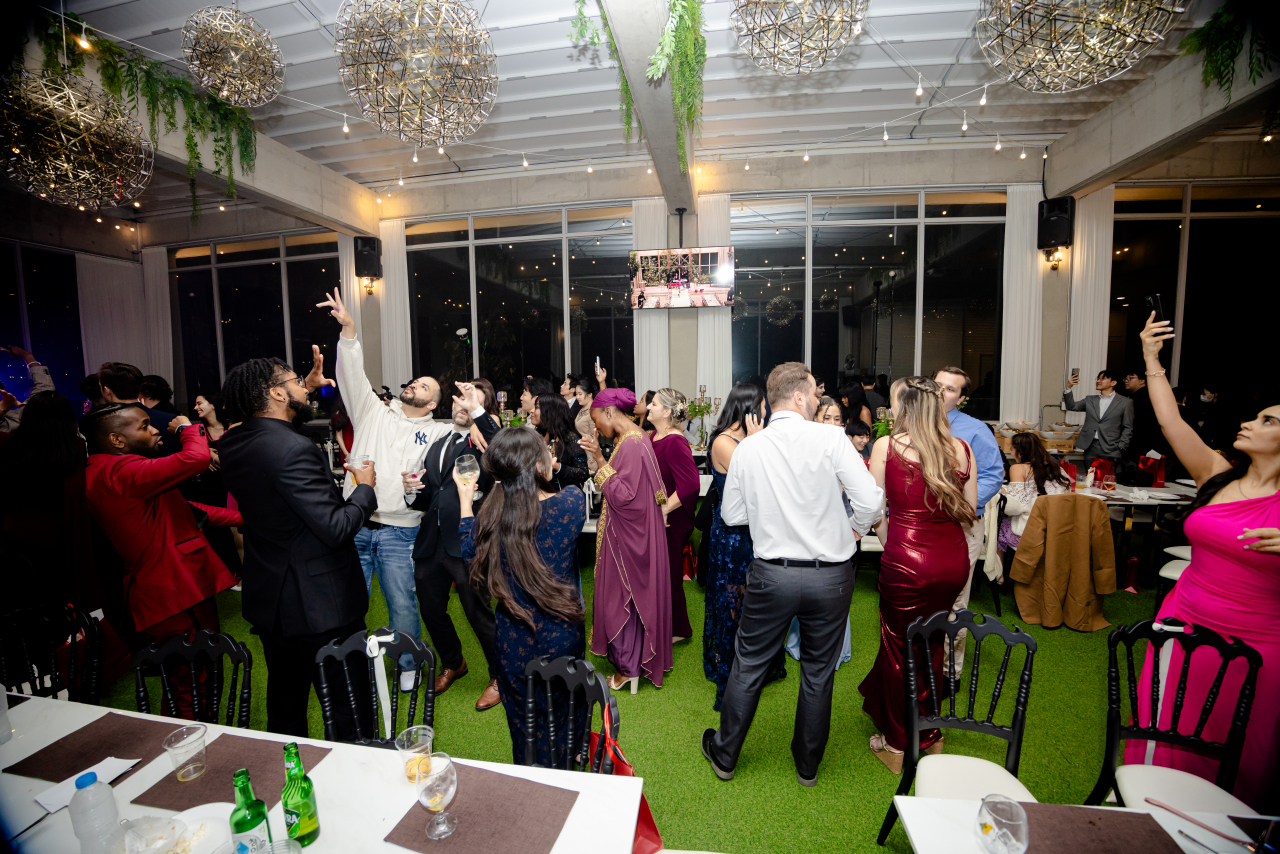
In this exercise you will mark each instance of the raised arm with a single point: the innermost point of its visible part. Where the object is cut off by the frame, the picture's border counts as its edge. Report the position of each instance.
(1070, 403)
(357, 393)
(139, 477)
(1199, 459)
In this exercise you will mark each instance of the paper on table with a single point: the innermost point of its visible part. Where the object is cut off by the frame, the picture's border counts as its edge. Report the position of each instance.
(57, 797)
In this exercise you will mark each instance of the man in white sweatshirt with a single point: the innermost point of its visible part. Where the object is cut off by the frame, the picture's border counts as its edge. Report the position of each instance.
(396, 437)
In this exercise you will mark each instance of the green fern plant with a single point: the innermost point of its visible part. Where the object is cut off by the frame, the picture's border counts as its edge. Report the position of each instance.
(582, 30)
(1222, 38)
(682, 54)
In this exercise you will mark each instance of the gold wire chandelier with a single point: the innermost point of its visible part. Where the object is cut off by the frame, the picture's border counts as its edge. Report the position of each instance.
(233, 56)
(796, 36)
(421, 70)
(1052, 46)
(71, 143)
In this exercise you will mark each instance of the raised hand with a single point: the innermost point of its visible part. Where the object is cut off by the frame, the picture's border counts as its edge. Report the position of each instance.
(591, 444)
(7, 401)
(1154, 335)
(753, 424)
(316, 379)
(19, 353)
(338, 312)
(178, 421)
(470, 397)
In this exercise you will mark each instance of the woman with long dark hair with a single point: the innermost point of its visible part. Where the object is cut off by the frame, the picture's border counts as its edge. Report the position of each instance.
(667, 412)
(552, 420)
(519, 551)
(853, 402)
(1232, 586)
(1034, 473)
(641, 411)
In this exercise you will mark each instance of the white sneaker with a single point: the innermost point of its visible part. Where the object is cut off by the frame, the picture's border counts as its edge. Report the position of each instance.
(406, 680)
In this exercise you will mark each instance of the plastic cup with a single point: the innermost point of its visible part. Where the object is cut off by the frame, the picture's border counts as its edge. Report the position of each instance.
(185, 747)
(414, 746)
(286, 846)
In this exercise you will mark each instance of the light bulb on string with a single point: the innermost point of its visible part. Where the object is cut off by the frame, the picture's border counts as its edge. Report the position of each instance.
(1045, 156)
(997, 142)
(589, 169)
(651, 170)
(982, 102)
(965, 125)
(400, 177)
(524, 160)
(746, 167)
(345, 129)
(886, 131)
(806, 157)
(415, 154)
(84, 36)
(1023, 155)
(439, 149)
(919, 85)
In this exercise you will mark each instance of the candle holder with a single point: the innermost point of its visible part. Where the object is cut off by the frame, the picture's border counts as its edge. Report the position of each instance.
(700, 407)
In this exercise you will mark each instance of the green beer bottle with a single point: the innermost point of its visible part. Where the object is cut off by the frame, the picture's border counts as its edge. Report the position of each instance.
(250, 832)
(299, 799)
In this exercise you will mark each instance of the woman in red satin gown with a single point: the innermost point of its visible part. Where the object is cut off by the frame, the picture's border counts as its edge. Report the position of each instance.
(930, 494)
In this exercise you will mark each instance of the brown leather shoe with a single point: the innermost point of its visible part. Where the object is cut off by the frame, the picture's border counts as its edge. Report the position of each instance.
(446, 677)
(490, 697)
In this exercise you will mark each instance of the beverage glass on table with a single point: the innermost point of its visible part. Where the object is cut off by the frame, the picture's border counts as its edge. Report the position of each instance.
(1109, 482)
(436, 789)
(414, 746)
(468, 471)
(185, 747)
(1001, 826)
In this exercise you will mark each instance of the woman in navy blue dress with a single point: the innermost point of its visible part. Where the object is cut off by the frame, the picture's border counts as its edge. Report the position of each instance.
(520, 549)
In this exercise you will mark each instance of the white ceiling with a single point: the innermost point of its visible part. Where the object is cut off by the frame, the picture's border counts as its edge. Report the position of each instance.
(558, 103)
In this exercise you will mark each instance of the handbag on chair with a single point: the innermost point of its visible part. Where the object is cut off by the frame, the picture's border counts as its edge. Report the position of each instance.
(607, 758)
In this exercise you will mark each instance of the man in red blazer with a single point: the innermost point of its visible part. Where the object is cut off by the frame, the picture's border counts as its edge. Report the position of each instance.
(171, 571)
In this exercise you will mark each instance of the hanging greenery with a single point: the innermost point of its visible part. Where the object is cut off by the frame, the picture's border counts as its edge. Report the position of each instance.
(1221, 39)
(583, 30)
(130, 76)
(682, 53)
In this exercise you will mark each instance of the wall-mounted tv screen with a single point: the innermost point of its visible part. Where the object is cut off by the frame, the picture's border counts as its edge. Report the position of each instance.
(682, 278)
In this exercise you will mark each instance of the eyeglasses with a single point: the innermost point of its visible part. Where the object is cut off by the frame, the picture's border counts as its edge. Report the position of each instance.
(299, 380)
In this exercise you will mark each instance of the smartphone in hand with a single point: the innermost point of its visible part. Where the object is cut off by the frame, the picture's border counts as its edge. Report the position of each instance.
(1154, 304)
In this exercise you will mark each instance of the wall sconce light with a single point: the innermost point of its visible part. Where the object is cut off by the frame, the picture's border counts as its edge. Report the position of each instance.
(368, 283)
(1053, 257)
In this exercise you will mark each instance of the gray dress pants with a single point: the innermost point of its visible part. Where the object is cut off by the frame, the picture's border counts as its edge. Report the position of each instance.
(819, 597)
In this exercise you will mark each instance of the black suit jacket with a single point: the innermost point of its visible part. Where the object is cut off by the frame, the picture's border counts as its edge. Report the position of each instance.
(301, 570)
(438, 498)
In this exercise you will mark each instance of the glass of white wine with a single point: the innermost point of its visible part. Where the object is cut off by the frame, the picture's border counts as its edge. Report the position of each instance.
(468, 469)
(436, 789)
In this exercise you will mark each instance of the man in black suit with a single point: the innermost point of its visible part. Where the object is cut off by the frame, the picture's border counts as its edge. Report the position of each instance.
(437, 555)
(303, 586)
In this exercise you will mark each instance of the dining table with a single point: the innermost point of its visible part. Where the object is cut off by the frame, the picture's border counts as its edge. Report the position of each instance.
(361, 791)
(1152, 501)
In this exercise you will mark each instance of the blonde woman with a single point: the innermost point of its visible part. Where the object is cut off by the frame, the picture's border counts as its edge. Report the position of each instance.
(930, 492)
(667, 411)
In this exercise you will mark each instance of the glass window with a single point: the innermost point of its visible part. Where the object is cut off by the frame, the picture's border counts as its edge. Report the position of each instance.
(1213, 198)
(963, 280)
(189, 256)
(310, 244)
(518, 225)
(768, 303)
(1144, 261)
(520, 302)
(440, 314)
(600, 314)
(964, 204)
(12, 372)
(902, 206)
(252, 317)
(193, 292)
(1149, 199)
(248, 250)
(421, 233)
(53, 316)
(600, 219)
(311, 281)
(765, 211)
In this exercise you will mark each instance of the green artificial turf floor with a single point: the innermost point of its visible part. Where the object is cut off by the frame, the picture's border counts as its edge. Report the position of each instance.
(763, 809)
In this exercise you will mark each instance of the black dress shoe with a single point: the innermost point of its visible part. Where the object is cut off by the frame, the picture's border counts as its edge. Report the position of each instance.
(706, 751)
(810, 782)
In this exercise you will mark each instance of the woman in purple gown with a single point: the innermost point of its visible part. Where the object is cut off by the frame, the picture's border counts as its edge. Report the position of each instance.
(930, 493)
(667, 411)
(631, 615)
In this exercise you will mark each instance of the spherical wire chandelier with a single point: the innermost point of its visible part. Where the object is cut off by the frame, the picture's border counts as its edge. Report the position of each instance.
(71, 143)
(233, 56)
(793, 37)
(421, 70)
(1055, 46)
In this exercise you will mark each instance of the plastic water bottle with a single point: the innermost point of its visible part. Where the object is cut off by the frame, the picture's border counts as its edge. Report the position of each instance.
(93, 814)
(6, 731)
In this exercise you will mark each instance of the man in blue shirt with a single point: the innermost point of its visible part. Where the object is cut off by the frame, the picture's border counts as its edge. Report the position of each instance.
(990, 462)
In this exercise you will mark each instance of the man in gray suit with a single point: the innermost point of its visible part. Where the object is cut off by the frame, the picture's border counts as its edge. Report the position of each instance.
(1108, 419)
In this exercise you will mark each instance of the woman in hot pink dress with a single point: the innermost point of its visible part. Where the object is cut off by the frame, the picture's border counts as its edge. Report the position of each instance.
(1232, 586)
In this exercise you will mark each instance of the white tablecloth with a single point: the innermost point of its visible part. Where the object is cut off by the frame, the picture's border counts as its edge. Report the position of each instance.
(361, 791)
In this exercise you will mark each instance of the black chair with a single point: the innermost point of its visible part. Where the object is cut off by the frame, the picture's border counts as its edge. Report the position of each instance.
(333, 656)
(31, 640)
(920, 633)
(202, 656)
(568, 750)
(1198, 792)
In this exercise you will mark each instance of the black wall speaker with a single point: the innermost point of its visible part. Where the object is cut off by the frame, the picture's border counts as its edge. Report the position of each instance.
(1057, 217)
(368, 258)
(849, 314)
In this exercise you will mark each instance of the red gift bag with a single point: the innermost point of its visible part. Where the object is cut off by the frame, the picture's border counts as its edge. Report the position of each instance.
(690, 562)
(1153, 467)
(1070, 470)
(607, 756)
(1101, 469)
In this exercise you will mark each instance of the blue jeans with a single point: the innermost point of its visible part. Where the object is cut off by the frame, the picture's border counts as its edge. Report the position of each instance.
(388, 551)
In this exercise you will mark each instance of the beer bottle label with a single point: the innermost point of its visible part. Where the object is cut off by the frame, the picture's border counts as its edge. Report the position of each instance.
(251, 841)
(291, 819)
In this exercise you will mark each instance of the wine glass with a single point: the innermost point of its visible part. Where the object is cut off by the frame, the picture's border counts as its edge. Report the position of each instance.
(436, 789)
(1001, 826)
(1109, 482)
(411, 465)
(468, 471)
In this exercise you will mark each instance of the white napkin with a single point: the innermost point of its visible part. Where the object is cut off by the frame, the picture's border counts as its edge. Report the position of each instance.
(57, 797)
(373, 649)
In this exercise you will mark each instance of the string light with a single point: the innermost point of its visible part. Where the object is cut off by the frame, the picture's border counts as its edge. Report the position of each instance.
(965, 125)
(806, 157)
(440, 149)
(400, 176)
(886, 131)
(222, 207)
(415, 154)
(99, 219)
(345, 129)
(997, 142)
(982, 102)
(1267, 138)
(84, 36)
(919, 84)
(589, 169)
(1023, 155)
(137, 204)
(699, 170)
(746, 167)
(651, 170)
(1045, 156)
(524, 160)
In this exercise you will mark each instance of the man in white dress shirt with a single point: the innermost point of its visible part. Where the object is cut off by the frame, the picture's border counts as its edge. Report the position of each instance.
(785, 483)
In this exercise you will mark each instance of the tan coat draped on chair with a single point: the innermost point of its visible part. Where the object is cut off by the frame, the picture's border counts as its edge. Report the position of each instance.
(1065, 563)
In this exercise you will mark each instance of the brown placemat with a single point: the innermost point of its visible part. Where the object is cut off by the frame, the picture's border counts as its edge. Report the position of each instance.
(1062, 829)
(1254, 828)
(113, 734)
(495, 812)
(225, 755)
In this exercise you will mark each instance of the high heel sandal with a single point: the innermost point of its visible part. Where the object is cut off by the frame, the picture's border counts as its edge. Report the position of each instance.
(935, 748)
(891, 758)
(617, 682)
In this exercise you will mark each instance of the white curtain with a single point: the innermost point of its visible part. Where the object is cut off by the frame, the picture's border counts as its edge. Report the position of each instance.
(653, 355)
(713, 220)
(351, 291)
(155, 295)
(113, 315)
(651, 223)
(397, 339)
(1090, 289)
(1020, 340)
(715, 351)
